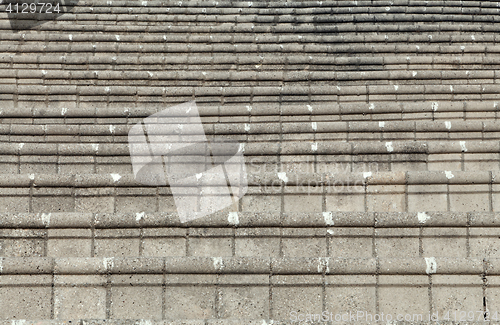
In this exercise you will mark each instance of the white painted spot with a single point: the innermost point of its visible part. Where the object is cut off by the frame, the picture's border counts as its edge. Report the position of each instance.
(314, 126)
(139, 216)
(309, 107)
(423, 217)
(64, 110)
(367, 174)
(418, 47)
(18, 322)
(95, 146)
(414, 73)
(389, 146)
(233, 218)
(448, 174)
(372, 106)
(117, 37)
(328, 216)
(330, 231)
(116, 177)
(451, 88)
(462, 48)
(46, 219)
(431, 265)
(32, 177)
(108, 262)
(435, 106)
(323, 264)
(462, 145)
(447, 124)
(144, 3)
(396, 87)
(21, 145)
(111, 129)
(283, 177)
(247, 127)
(198, 176)
(242, 147)
(314, 146)
(70, 37)
(381, 124)
(249, 108)
(107, 89)
(218, 264)
(473, 37)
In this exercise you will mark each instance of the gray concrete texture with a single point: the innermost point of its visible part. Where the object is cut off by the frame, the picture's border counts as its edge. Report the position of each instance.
(372, 147)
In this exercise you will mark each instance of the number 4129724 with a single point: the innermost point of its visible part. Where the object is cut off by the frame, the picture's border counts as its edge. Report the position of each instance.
(25, 8)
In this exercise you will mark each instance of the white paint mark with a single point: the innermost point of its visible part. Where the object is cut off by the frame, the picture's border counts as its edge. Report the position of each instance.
(449, 174)
(21, 145)
(116, 177)
(414, 73)
(32, 177)
(117, 37)
(389, 146)
(314, 126)
(372, 106)
(107, 89)
(95, 146)
(46, 219)
(367, 174)
(70, 37)
(435, 106)
(309, 107)
(233, 218)
(145, 322)
(218, 264)
(283, 177)
(249, 108)
(451, 88)
(462, 48)
(447, 124)
(164, 37)
(323, 265)
(381, 124)
(431, 265)
(314, 146)
(473, 37)
(330, 231)
(64, 110)
(18, 322)
(188, 110)
(242, 147)
(108, 262)
(328, 216)
(423, 217)
(396, 87)
(112, 129)
(139, 216)
(247, 127)
(198, 176)
(462, 145)
(144, 3)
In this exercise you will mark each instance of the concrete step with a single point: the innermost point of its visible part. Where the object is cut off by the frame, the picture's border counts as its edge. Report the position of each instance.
(455, 191)
(348, 235)
(250, 290)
